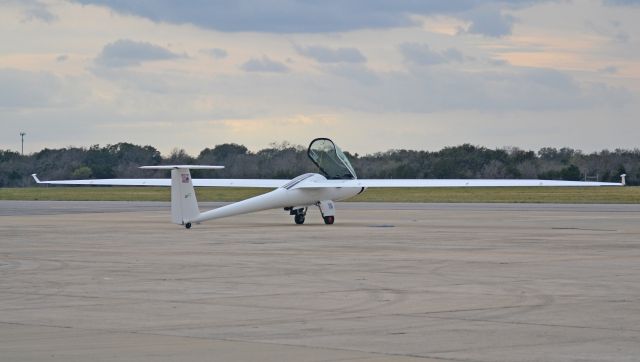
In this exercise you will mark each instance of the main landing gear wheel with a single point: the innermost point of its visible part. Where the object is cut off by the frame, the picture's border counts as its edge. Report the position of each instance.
(187, 225)
(328, 219)
(298, 214)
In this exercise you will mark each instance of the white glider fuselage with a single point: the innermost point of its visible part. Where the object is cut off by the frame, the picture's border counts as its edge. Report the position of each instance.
(295, 194)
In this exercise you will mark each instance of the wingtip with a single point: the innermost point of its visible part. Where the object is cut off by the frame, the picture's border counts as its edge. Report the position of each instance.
(35, 177)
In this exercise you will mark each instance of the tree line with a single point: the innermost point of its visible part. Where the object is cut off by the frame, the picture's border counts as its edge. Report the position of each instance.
(285, 160)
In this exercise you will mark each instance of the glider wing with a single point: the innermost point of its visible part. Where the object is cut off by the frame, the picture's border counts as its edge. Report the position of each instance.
(205, 182)
(449, 183)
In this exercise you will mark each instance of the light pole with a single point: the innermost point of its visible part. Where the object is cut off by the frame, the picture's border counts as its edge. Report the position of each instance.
(22, 134)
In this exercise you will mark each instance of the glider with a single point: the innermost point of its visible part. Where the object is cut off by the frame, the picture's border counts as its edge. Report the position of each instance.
(336, 181)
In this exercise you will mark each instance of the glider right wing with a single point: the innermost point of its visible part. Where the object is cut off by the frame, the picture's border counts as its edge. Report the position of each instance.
(452, 183)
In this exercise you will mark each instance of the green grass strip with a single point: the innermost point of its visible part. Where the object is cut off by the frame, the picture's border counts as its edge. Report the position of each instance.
(569, 195)
(559, 195)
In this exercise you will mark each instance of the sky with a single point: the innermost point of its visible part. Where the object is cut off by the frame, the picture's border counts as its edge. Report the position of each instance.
(373, 75)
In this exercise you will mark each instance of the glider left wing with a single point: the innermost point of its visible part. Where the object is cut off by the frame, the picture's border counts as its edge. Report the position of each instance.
(210, 182)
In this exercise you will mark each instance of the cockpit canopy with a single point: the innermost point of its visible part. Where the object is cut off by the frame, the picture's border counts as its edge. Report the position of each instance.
(330, 159)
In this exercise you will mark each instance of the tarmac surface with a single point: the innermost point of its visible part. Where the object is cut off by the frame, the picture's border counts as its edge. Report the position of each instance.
(116, 281)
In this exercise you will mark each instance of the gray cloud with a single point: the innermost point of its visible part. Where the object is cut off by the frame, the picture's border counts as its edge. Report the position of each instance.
(489, 20)
(454, 54)
(612, 69)
(355, 87)
(264, 65)
(621, 2)
(427, 89)
(421, 54)
(128, 79)
(216, 53)
(25, 89)
(36, 11)
(301, 16)
(612, 30)
(356, 72)
(330, 55)
(124, 53)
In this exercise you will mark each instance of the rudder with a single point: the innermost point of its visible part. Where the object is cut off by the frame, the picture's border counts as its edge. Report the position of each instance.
(184, 205)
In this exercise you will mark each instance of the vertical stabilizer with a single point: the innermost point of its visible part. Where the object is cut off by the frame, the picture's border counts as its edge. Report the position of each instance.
(184, 206)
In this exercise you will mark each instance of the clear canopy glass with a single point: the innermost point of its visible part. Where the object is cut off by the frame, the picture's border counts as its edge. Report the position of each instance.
(330, 159)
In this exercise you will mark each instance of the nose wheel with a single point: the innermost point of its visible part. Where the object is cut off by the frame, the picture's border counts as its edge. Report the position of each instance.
(328, 211)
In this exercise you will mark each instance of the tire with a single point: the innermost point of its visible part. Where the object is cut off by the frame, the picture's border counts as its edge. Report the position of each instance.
(329, 220)
(187, 225)
(299, 219)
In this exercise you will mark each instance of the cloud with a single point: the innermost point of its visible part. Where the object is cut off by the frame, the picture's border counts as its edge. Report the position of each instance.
(356, 72)
(216, 53)
(612, 30)
(62, 58)
(446, 89)
(612, 69)
(621, 2)
(301, 16)
(454, 54)
(36, 11)
(273, 16)
(264, 65)
(490, 21)
(421, 54)
(331, 55)
(24, 89)
(124, 53)
(349, 87)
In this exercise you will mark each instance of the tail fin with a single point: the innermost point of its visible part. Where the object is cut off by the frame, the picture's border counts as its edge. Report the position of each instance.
(184, 205)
